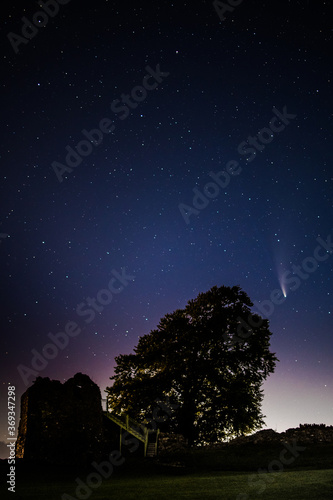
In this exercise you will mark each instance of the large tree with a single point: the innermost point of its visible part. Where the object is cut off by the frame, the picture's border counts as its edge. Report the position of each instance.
(211, 358)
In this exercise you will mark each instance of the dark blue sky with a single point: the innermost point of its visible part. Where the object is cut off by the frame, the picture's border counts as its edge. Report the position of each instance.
(64, 242)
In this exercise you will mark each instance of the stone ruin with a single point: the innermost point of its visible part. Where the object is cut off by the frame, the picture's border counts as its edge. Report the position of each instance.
(65, 424)
(305, 433)
(171, 443)
(61, 423)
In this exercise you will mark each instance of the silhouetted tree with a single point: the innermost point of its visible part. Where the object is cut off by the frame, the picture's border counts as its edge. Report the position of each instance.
(210, 357)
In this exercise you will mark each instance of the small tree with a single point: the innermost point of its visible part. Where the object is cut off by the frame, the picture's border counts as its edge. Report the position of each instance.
(211, 358)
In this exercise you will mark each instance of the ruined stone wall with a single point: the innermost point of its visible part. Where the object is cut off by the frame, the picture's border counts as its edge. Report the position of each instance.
(61, 423)
(171, 443)
(310, 433)
(22, 429)
(305, 433)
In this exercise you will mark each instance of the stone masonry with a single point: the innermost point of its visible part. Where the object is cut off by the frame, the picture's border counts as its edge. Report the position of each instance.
(61, 423)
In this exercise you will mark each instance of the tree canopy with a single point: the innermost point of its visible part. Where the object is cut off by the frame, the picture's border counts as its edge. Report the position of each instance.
(210, 358)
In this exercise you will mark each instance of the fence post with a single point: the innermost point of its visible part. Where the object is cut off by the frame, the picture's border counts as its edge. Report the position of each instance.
(156, 443)
(146, 441)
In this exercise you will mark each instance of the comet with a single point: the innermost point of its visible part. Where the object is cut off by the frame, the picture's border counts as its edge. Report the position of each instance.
(282, 285)
(284, 291)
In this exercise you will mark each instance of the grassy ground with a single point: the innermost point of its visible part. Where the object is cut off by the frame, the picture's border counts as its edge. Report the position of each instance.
(300, 485)
(230, 473)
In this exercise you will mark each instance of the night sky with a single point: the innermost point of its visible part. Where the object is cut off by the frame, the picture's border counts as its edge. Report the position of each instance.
(183, 98)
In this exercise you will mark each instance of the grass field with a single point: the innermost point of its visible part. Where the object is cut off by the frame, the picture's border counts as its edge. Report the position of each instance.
(225, 474)
(300, 485)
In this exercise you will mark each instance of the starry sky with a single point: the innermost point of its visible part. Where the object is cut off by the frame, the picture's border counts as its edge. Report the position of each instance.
(103, 244)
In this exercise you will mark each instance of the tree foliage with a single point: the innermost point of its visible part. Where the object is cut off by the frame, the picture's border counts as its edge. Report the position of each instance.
(211, 358)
